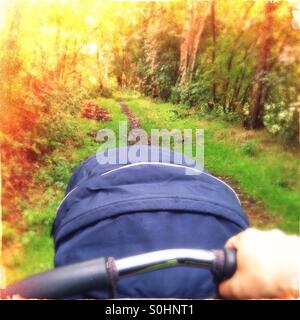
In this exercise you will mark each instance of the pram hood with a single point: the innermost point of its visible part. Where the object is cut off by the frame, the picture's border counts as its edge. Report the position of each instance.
(97, 192)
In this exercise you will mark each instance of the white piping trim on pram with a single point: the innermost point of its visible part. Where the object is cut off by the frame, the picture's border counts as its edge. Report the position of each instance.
(156, 163)
(171, 165)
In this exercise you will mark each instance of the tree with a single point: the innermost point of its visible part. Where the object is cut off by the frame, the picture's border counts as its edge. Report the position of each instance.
(259, 88)
(237, 57)
(196, 14)
(213, 52)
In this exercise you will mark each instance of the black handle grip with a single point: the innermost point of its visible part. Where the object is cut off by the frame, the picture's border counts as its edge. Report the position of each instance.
(225, 264)
(64, 281)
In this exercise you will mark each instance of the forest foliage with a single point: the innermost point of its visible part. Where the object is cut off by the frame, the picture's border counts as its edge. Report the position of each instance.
(236, 59)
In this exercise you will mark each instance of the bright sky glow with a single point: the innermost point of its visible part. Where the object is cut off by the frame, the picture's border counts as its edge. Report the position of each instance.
(90, 49)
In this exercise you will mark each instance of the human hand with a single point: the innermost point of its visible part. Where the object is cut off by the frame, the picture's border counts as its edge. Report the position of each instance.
(267, 266)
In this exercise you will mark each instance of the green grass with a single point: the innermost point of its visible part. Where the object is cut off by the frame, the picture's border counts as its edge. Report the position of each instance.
(262, 167)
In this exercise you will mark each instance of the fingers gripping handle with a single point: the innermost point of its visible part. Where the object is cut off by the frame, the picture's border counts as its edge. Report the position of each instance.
(225, 264)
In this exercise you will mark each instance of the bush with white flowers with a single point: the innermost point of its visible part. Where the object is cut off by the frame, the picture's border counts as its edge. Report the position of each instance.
(280, 118)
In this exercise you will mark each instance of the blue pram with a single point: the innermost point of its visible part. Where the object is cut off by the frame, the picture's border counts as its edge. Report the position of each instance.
(135, 207)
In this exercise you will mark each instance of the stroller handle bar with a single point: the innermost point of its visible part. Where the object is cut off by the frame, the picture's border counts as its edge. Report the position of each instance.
(103, 273)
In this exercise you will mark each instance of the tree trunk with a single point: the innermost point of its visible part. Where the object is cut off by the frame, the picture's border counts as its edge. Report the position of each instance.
(196, 15)
(184, 48)
(234, 49)
(258, 94)
(152, 44)
(213, 53)
(102, 66)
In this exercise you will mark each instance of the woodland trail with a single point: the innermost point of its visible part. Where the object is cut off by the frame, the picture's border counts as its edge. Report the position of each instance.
(132, 119)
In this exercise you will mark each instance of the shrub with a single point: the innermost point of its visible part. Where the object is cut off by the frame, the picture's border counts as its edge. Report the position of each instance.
(104, 92)
(233, 117)
(250, 148)
(56, 172)
(38, 218)
(90, 109)
(281, 119)
(192, 94)
(9, 233)
(43, 120)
